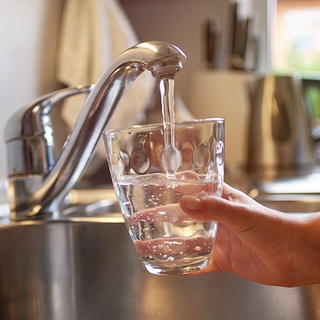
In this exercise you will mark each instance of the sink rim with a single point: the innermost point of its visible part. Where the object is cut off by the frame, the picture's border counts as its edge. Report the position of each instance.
(105, 218)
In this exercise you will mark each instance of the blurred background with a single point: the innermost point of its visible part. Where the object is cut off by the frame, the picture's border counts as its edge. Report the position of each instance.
(285, 38)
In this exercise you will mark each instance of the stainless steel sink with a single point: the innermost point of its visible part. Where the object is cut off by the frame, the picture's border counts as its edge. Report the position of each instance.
(87, 268)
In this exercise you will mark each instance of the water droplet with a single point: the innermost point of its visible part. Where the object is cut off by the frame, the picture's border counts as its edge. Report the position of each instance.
(197, 248)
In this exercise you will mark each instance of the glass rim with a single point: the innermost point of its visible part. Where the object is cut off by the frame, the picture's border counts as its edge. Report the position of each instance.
(161, 124)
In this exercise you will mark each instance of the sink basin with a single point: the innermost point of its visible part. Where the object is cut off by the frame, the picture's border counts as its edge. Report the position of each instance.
(75, 270)
(87, 268)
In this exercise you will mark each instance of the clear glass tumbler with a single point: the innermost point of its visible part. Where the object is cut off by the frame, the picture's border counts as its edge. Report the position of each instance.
(152, 167)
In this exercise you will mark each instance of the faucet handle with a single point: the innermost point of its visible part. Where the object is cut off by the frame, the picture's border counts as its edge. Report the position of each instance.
(29, 120)
(29, 134)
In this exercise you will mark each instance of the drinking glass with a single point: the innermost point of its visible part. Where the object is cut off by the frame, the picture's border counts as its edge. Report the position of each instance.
(152, 167)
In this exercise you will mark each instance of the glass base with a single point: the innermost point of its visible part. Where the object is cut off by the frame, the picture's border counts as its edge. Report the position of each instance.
(176, 270)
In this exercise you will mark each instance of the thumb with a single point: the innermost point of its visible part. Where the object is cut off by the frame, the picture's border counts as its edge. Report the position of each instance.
(235, 215)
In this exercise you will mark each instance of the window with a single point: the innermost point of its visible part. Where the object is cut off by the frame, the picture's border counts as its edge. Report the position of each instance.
(296, 40)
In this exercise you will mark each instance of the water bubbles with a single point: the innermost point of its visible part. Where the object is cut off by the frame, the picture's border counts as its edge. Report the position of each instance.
(168, 246)
(175, 243)
(197, 248)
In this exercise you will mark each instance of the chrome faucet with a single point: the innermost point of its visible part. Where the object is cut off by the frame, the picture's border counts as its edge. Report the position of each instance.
(38, 180)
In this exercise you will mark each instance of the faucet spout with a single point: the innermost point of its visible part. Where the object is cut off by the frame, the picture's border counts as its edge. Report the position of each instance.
(42, 196)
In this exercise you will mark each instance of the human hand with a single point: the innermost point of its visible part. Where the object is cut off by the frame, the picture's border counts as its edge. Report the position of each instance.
(259, 243)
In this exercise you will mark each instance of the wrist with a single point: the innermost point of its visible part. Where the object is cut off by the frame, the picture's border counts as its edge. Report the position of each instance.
(307, 250)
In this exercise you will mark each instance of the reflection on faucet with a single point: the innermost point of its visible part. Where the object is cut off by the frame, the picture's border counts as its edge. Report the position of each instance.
(39, 184)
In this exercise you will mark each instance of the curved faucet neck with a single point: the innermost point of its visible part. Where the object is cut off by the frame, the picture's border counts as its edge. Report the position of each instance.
(46, 197)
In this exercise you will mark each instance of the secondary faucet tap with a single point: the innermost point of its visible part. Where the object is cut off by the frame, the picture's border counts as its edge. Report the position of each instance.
(38, 183)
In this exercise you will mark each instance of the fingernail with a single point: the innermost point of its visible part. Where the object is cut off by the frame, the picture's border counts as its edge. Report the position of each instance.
(192, 203)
